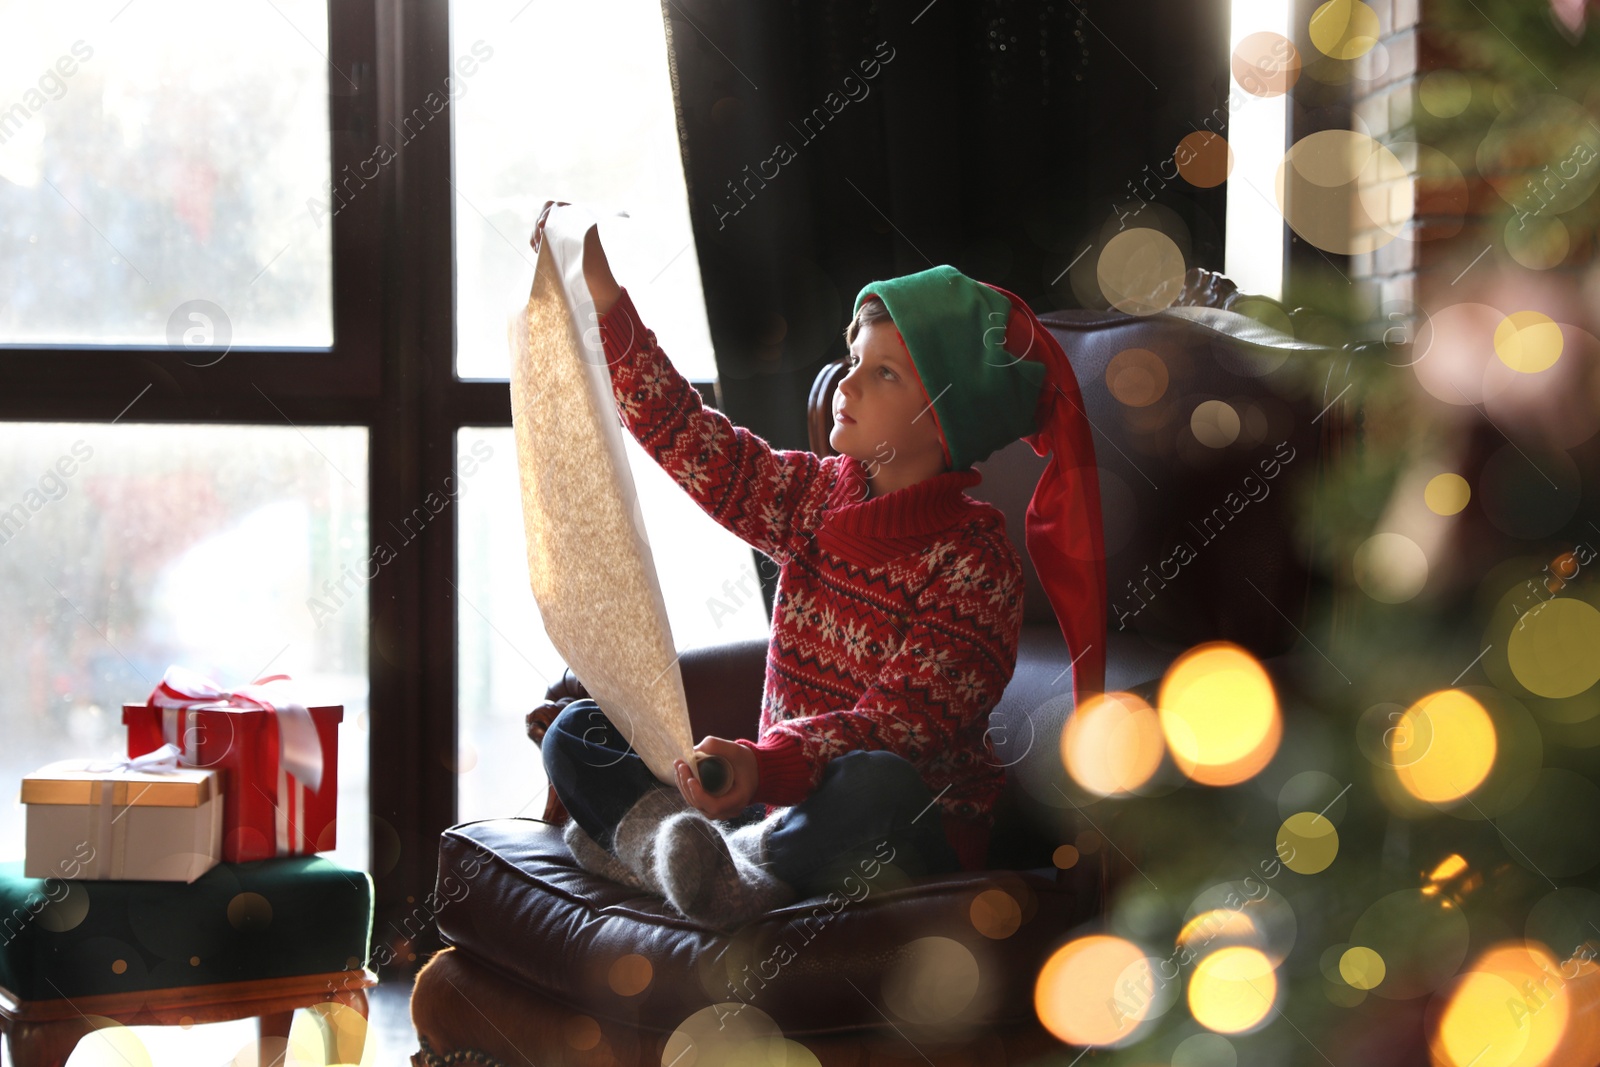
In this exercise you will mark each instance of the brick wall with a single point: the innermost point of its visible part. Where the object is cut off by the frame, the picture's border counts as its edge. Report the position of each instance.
(1385, 100)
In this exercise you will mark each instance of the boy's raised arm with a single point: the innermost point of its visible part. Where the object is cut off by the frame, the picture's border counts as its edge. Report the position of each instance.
(737, 478)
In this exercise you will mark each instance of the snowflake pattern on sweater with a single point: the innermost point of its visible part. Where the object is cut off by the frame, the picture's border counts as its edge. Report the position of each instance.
(896, 618)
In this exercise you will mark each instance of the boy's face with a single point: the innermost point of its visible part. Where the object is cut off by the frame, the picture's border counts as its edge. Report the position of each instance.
(882, 416)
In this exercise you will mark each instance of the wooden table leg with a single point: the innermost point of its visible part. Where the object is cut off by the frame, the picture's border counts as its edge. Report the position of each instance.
(343, 1038)
(272, 1038)
(41, 1044)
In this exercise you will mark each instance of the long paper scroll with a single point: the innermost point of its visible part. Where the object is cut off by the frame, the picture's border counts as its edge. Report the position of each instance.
(589, 559)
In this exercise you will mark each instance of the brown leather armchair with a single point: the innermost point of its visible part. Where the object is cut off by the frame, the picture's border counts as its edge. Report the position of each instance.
(550, 964)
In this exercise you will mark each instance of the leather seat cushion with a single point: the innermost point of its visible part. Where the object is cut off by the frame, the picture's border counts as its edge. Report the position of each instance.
(515, 900)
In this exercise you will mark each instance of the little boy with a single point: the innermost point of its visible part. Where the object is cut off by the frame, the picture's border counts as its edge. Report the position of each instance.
(896, 616)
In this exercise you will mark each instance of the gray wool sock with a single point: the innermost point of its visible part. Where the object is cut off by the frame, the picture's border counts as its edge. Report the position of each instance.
(592, 857)
(713, 881)
(634, 840)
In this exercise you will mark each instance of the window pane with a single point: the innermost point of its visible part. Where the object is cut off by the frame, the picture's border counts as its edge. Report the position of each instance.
(708, 580)
(159, 153)
(124, 549)
(526, 133)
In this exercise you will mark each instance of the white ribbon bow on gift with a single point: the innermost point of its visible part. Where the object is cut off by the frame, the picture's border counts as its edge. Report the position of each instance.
(163, 760)
(299, 747)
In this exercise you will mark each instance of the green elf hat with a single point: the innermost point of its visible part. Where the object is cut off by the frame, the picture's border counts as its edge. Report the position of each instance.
(992, 374)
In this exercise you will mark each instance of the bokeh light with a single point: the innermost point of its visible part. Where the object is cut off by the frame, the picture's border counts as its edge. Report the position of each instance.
(1343, 191)
(934, 982)
(1447, 494)
(629, 975)
(1137, 377)
(1454, 347)
(733, 1034)
(1361, 967)
(110, 1042)
(1390, 567)
(1214, 423)
(1140, 271)
(1460, 752)
(1555, 651)
(1219, 714)
(1315, 791)
(1490, 1019)
(1556, 403)
(1243, 911)
(1205, 1050)
(1389, 738)
(1232, 989)
(1204, 159)
(1227, 925)
(1112, 745)
(1094, 990)
(995, 914)
(1343, 29)
(1564, 920)
(1307, 843)
(1266, 64)
(250, 912)
(1528, 341)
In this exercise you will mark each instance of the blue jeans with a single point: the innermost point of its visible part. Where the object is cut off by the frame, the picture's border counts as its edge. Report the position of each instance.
(871, 806)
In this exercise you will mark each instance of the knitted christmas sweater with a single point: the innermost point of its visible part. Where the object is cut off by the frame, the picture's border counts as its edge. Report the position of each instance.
(896, 618)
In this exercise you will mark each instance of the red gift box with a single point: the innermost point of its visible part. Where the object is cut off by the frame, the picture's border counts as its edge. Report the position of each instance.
(278, 759)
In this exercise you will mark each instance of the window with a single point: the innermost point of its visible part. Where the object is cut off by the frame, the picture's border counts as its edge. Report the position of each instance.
(233, 269)
(568, 102)
(161, 182)
(1257, 136)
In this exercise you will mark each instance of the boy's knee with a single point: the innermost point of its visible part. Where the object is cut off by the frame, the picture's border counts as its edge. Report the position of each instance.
(564, 736)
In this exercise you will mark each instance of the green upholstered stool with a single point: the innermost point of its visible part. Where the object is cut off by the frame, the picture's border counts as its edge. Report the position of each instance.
(244, 939)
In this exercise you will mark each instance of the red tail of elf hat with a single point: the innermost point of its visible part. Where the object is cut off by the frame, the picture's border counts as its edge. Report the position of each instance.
(1064, 534)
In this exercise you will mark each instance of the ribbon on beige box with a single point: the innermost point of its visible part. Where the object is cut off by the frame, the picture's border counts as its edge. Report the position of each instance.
(110, 837)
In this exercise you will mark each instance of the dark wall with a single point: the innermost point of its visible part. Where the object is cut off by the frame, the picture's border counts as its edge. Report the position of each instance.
(998, 137)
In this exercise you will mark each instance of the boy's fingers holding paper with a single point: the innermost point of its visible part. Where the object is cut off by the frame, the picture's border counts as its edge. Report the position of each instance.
(544, 215)
(690, 787)
(740, 774)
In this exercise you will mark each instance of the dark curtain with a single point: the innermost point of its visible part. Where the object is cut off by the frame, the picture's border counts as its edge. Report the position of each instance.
(828, 144)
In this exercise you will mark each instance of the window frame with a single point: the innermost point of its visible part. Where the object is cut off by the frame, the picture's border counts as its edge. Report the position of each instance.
(390, 370)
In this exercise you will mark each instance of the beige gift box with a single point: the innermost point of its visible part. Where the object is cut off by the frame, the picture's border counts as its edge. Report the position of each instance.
(136, 820)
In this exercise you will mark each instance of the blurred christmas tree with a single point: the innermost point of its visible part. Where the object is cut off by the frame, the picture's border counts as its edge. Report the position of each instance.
(1385, 849)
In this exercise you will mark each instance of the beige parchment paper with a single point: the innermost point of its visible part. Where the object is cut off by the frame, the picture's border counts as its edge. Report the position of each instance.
(589, 559)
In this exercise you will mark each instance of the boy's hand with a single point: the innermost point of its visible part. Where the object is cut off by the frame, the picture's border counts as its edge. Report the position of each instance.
(603, 288)
(742, 775)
